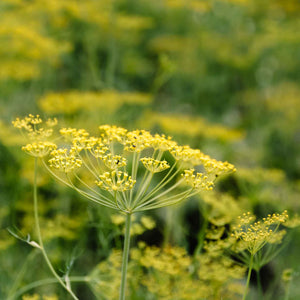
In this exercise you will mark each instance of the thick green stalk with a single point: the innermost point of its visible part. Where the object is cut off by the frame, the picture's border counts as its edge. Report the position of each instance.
(125, 256)
(248, 277)
(260, 289)
(38, 232)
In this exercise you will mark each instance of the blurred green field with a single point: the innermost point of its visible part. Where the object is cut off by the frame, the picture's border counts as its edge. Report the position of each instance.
(221, 76)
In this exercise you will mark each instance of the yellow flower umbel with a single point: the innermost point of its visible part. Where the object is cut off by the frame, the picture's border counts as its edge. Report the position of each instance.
(32, 128)
(198, 181)
(115, 181)
(39, 149)
(114, 161)
(119, 169)
(253, 237)
(153, 165)
(124, 164)
(64, 161)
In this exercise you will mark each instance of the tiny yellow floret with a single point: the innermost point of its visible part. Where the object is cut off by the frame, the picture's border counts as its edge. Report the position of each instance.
(153, 165)
(39, 149)
(116, 181)
(64, 160)
(198, 181)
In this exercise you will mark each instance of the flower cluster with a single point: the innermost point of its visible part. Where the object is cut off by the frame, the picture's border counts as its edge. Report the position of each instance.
(186, 125)
(185, 153)
(198, 181)
(71, 102)
(39, 149)
(137, 140)
(218, 167)
(254, 235)
(112, 162)
(154, 165)
(115, 181)
(64, 160)
(31, 128)
(31, 125)
(170, 273)
(113, 133)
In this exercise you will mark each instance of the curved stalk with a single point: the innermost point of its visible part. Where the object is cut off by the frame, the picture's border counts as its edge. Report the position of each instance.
(38, 231)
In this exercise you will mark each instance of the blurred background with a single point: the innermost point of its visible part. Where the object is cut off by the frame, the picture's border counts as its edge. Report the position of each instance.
(218, 75)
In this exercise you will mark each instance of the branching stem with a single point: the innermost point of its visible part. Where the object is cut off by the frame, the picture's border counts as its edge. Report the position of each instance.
(38, 232)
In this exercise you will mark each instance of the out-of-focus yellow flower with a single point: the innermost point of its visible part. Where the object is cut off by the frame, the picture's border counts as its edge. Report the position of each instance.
(74, 101)
(31, 297)
(148, 222)
(293, 222)
(117, 219)
(287, 275)
(223, 208)
(191, 126)
(26, 46)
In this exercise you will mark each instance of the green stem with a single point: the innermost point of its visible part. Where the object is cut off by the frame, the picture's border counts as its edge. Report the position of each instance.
(167, 229)
(125, 256)
(38, 231)
(287, 291)
(260, 290)
(248, 277)
(201, 236)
